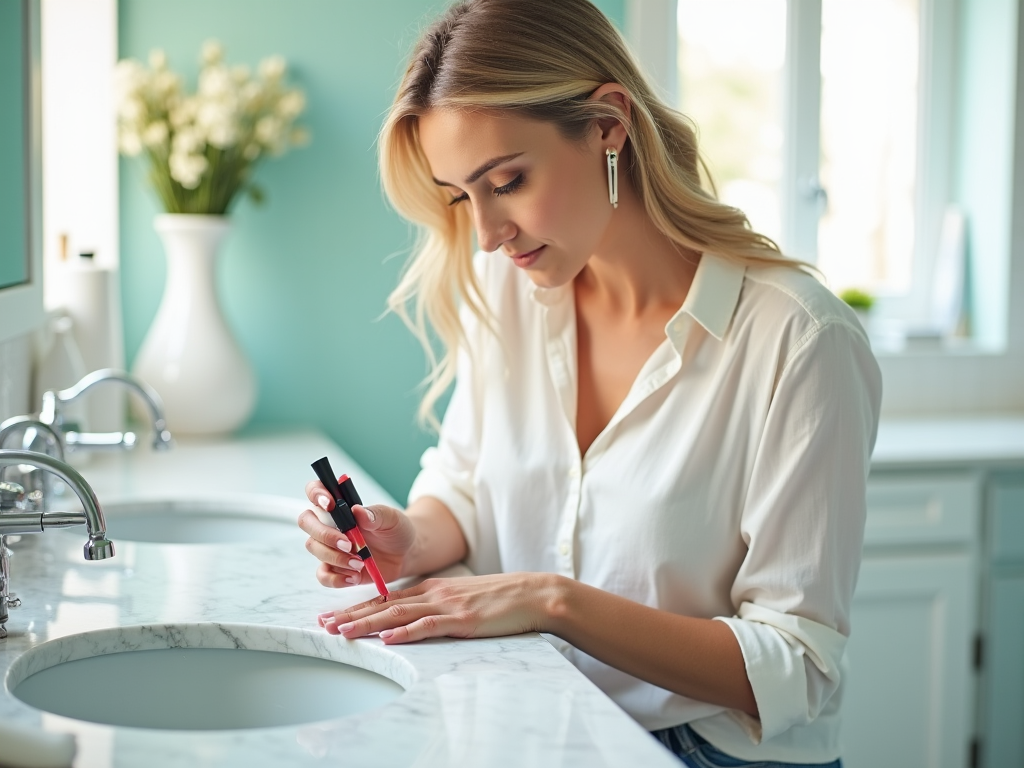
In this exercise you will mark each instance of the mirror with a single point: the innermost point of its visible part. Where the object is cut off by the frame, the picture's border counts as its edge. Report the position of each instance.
(21, 304)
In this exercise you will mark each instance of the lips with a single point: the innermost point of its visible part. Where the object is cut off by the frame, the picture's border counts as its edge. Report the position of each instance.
(527, 258)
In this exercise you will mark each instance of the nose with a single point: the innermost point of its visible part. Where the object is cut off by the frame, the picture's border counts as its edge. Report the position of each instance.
(493, 227)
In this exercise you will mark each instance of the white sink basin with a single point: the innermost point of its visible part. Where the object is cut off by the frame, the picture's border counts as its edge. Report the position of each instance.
(203, 521)
(205, 677)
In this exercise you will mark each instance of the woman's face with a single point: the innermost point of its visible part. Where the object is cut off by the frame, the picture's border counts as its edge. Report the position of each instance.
(540, 199)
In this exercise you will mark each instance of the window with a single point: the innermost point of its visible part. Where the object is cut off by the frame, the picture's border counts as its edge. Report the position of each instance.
(829, 123)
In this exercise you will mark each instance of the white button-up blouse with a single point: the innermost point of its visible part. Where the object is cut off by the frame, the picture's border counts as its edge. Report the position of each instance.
(730, 483)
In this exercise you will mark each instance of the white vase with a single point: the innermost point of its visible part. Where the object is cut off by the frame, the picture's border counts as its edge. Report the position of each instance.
(189, 354)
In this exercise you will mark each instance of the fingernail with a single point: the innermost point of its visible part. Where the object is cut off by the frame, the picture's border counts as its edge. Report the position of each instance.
(346, 627)
(323, 502)
(323, 617)
(369, 514)
(356, 564)
(353, 580)
(332, 627)
(387, 633)
(344, 545)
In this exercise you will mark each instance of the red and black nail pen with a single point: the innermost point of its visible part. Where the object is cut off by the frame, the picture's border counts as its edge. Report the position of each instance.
(345, 497)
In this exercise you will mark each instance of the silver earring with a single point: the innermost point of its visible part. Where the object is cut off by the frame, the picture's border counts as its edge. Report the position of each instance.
(613, 176)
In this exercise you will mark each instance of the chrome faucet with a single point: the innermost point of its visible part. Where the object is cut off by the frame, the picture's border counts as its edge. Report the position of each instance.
(72, 440)
(35, 436)
(15, 520)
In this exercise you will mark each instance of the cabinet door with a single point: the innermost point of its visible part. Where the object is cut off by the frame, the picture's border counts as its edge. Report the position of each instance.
(909, 682)
(1003, 743)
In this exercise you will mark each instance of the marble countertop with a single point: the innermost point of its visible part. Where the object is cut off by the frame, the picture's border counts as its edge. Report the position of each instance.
(490, 702)
(992, 441)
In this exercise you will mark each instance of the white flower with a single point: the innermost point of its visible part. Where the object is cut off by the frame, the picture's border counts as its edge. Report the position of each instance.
(213, 52)
(129, 143)
(269, 130)
(273, 68)
(129, 77)
(184, 112)
(157, 59)
(132, 110)
(166, 83)
(251, 152)
(187, 169)
(240, 74)
(187, 141)
(155, 134)
(215, 81)
(249, 95)
(291, 104)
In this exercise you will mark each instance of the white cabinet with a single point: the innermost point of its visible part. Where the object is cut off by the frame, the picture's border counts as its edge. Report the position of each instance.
(910, 687)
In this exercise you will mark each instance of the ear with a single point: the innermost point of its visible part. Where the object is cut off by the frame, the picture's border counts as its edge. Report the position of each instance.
(611, 131)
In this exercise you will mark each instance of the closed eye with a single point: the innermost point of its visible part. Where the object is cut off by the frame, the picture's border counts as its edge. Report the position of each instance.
(509, 188)
(505, 189)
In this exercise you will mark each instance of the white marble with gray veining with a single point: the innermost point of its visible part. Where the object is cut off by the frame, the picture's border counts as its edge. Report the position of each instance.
(511, 701)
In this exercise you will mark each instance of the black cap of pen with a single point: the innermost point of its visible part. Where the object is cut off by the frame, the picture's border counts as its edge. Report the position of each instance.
(342, 512)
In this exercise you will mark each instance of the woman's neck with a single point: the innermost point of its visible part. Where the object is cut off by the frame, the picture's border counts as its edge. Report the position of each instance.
(636, 269)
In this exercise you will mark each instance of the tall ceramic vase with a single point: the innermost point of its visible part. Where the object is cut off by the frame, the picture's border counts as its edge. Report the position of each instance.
(189, 354)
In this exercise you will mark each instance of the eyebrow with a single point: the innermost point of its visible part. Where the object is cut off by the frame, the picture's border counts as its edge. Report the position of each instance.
(494, 162)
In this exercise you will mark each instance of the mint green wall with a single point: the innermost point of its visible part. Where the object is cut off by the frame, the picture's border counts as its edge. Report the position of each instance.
(13, 255)
(304, 277)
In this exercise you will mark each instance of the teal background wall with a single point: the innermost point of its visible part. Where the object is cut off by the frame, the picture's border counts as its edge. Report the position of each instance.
(13, 253)
(304, 278)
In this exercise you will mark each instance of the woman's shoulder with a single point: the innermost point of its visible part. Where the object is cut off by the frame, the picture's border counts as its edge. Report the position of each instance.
(790, 301)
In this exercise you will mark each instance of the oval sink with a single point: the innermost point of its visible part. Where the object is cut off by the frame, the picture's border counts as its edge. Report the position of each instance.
(181, 677)
(203, 521)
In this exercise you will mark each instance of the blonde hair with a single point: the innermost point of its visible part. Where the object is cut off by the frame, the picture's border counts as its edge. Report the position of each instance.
(540, 59)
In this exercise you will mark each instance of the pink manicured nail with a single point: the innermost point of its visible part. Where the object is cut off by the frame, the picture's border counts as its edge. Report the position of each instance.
(345, 545)
(355, 564)
(346, 627)
(369, 514)
(387, 633)
(353, 580)
(321, 618)
(332, 627)
(323, 502)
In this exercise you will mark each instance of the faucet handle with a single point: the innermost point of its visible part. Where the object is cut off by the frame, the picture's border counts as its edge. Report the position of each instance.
(11, 495)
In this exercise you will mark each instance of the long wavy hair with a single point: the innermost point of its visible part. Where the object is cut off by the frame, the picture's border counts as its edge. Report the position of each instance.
(540, 59)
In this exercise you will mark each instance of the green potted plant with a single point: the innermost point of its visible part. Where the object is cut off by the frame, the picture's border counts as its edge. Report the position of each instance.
(861, 302)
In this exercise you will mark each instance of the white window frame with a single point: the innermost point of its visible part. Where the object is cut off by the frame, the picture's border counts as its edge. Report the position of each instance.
(986, 375)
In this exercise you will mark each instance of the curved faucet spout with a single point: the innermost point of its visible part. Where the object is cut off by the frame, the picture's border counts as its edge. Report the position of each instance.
(52, 400)
(98, 547)
(25, 423)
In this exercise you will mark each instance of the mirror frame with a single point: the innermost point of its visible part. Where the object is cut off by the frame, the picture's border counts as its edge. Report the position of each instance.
(21, 306)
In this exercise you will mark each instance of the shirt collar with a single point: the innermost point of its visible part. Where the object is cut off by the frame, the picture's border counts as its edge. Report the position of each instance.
(713, 295)
(711, 300)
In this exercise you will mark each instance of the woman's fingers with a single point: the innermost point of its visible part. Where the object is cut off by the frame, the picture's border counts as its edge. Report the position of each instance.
(394, 615)
(317, 494)
(337, 578)
(428, 626)
(325, 534)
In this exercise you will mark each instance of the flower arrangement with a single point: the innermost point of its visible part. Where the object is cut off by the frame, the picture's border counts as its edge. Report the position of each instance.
(201, 148)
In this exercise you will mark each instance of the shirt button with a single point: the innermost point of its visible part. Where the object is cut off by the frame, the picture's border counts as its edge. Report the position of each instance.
(574, 472)
(564, 548)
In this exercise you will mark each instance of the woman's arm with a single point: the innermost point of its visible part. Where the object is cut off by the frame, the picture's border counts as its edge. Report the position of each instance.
(699, 658)
(438, 543)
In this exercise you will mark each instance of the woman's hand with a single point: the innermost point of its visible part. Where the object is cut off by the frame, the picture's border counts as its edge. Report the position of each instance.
(388, 532)
(477, 606)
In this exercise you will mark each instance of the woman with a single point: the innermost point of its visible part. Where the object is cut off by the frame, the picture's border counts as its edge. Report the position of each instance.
(658, 442)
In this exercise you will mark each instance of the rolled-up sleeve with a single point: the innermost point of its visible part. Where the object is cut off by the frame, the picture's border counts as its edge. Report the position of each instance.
(447, 471)
(803, 523)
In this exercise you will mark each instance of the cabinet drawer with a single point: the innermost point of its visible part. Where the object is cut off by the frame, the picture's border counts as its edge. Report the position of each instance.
(922, 508)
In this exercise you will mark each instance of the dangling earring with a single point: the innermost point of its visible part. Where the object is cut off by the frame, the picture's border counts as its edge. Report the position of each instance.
(613, 176)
